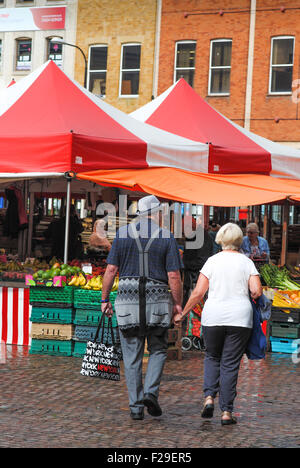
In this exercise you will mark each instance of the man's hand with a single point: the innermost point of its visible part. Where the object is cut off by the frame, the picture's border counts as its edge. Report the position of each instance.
(177, 314)
(107, 309)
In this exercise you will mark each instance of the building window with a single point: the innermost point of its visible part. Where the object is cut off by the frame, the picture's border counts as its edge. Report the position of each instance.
(282, 61)
(0, 53)
(185, 61)
(130, 70)
(23, 61)
(1, 2)
(97, 70)
(54, 52)
(220, 67)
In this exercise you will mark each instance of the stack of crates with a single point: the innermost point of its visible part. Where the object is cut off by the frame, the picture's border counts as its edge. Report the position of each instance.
(52, 317)
(87, 305)
(285, 329)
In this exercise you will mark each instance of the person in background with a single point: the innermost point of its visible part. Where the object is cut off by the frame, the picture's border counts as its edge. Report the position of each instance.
(56, 234)
(214, 227)
(254, 246)
(149, 294)
(226, 318)
(98, 241)
(194, 258)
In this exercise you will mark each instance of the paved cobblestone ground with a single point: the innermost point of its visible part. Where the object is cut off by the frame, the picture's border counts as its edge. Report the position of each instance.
(45, 402)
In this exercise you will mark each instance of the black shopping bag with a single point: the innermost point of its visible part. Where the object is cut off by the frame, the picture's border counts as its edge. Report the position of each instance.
(102, 359)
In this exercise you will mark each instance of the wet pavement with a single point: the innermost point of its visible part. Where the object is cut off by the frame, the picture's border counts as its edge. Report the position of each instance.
(46, 403)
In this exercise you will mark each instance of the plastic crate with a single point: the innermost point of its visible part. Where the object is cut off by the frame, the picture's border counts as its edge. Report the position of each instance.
(90, 299)
(285, 330)
(54, 305)
(284, 345)
(79, 348)
(52, 331)
(286, 314)
(51, 347)
(84, 333)
(52, 315)
(51, 295)
(91, 317)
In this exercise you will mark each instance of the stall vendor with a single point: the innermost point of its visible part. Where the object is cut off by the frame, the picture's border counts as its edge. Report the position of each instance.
(254, 246)
(98, 240)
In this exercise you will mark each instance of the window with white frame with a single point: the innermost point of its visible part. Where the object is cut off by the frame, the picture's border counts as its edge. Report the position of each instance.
(0, 53)
(130, 70)
(54, 52)
(97, 69)
(185, 52)
(23, 55)
(220, 67)
(282, 63)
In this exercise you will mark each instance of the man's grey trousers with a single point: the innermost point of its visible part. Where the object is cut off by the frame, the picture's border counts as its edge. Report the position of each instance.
(133, 353)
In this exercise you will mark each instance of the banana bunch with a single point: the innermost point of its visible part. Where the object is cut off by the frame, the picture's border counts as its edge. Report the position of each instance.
(78, 280)
(116, 284)
(94, 283)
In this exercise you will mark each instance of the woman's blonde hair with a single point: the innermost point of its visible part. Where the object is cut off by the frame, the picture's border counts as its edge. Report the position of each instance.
(230, 237)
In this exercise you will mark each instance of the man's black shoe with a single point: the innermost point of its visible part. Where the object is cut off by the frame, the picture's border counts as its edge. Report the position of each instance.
(137, 416)
(152, 405)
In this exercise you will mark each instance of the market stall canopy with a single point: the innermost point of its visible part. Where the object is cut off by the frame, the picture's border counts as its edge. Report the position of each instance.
(207, 189)
(50, 125)
(232, 149)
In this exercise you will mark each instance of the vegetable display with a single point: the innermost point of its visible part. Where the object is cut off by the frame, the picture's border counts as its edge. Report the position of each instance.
(278, 278)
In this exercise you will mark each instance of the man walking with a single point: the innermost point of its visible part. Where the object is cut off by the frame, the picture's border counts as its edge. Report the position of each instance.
(147, 258)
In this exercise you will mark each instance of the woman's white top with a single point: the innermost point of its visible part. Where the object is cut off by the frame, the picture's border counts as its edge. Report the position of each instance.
(228, 300)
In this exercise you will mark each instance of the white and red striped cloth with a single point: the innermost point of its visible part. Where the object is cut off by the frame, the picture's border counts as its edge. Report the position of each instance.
(14, 316)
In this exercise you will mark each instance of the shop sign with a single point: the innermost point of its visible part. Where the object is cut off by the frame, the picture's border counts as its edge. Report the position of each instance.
(32, 19)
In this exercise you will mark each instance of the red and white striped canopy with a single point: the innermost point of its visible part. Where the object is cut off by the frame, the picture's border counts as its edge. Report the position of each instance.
(232, 149)
(49, 125)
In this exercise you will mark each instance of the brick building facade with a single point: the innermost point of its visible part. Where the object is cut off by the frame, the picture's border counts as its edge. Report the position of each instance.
(118, 38)
(246, 59)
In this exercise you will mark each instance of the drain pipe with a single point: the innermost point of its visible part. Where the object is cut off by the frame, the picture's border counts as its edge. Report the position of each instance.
(247, 117)
(156, 49)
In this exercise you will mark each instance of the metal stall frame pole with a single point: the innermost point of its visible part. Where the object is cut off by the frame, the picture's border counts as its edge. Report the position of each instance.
(69, 178)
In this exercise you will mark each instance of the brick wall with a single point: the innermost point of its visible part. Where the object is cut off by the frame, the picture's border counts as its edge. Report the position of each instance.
(115, 22)
(200, 21)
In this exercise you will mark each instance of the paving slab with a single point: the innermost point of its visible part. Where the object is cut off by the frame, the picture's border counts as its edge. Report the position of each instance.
(46, 403)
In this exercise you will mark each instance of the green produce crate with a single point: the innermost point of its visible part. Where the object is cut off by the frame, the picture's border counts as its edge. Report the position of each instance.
(52, 315)
(285, 330)
(51, 295)
(285, 314)
(90, 299)
(79, 348)
(52, 347)
(91, 317)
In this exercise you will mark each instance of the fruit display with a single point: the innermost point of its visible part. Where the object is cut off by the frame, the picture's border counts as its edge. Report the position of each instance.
(286, 299)
(56, 270)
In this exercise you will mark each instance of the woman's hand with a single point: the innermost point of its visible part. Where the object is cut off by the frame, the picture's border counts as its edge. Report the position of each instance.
(177, 314)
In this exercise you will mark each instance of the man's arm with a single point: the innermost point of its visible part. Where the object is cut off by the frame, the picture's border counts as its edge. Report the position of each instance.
(108, 280)
(175, 284)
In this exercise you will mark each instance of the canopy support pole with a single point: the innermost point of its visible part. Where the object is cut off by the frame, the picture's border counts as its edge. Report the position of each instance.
(284, 241)
(69, 179)
(30, 224)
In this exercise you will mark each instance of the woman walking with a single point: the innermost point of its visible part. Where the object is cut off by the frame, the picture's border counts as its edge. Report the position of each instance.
(226, 318)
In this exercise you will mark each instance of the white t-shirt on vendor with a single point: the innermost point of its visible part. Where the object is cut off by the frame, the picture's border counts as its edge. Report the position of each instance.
(228, 300)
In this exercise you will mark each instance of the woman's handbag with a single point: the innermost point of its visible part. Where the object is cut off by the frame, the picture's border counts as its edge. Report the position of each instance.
(102, 359)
